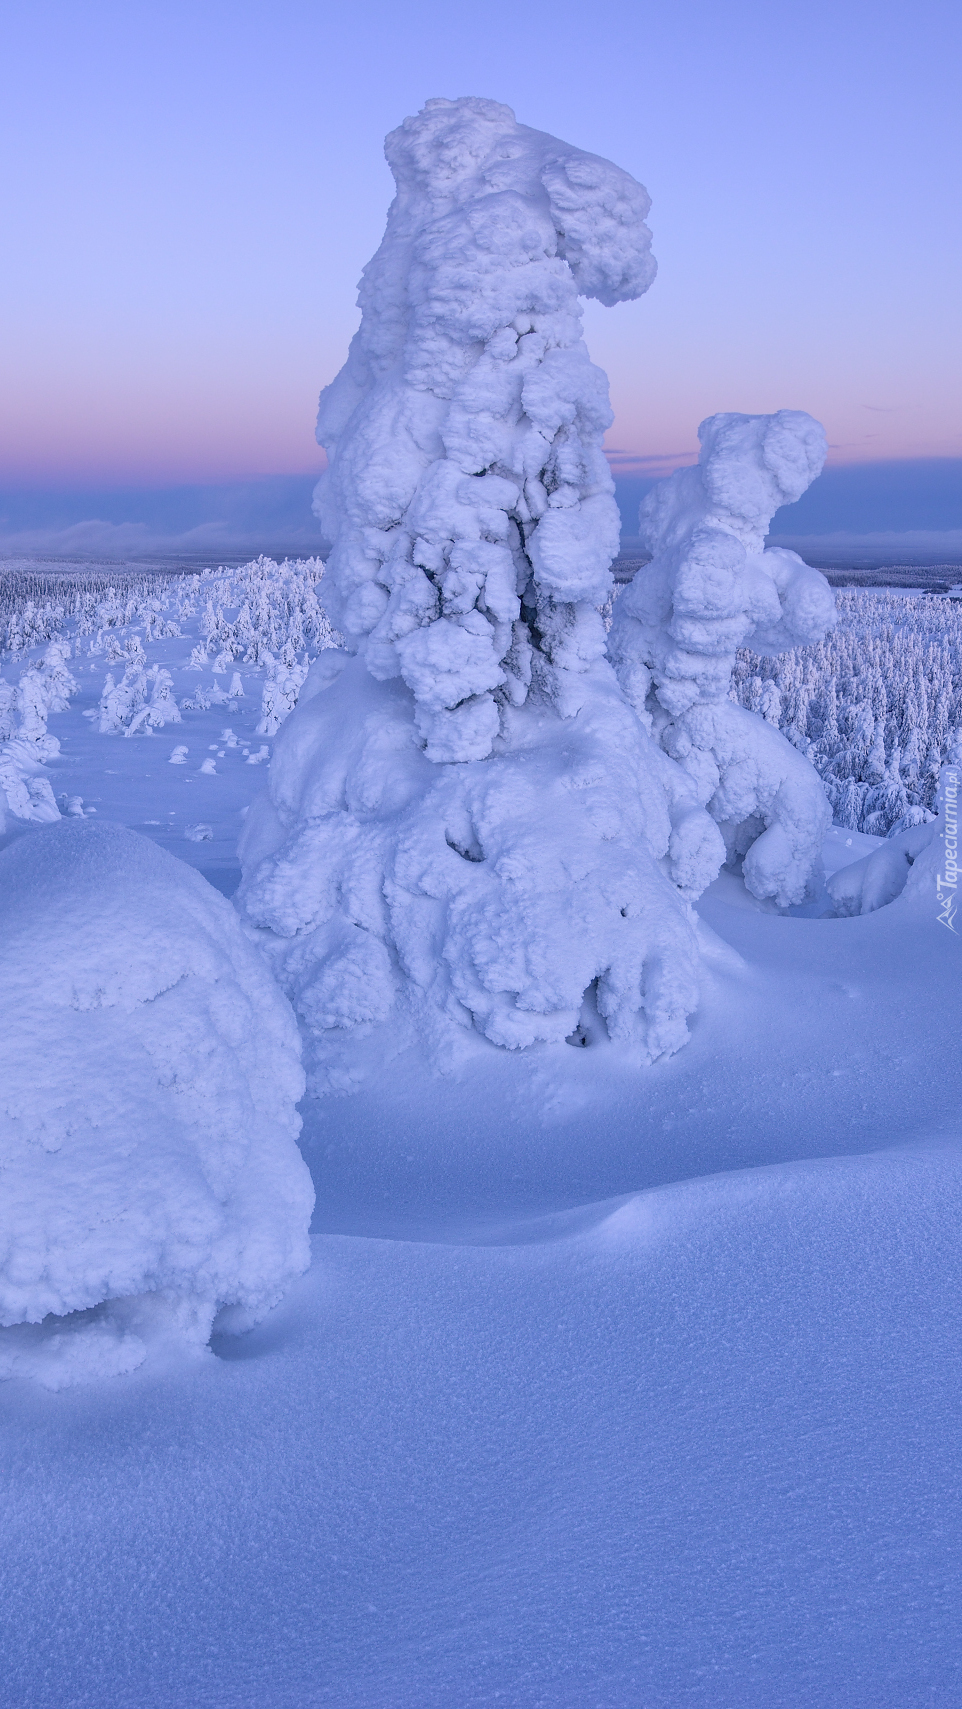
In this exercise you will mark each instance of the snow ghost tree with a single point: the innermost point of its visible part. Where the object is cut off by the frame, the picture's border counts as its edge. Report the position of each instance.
(468, 501)
(711, 587)
(473, 819)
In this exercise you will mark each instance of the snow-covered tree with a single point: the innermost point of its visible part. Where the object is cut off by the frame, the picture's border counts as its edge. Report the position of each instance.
(711, 587)
(876, 705)
(472, 819)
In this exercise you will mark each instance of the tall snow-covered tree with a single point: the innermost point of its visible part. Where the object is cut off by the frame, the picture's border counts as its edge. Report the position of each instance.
(472, 820)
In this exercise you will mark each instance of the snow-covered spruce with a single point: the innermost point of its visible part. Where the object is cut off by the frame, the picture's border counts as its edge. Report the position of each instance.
(710, 589)
(471, 815)
(149, 1072)
(26, 744)
(468, 500)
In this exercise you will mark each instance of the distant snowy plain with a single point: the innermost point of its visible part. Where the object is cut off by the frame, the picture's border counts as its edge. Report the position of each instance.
(606, 1386)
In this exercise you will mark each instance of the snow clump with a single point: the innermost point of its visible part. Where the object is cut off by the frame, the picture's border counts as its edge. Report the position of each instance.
(149, 1073)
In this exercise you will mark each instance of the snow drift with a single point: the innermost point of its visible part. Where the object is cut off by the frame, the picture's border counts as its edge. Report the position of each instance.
(149, 1072)
(475, 815)
(906, 867)
(468, 500)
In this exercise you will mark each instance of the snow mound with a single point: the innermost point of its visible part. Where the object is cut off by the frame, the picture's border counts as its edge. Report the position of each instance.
(149, 1072)
(710, 589)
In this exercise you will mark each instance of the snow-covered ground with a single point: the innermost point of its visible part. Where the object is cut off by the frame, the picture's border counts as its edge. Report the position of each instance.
(607, 1385)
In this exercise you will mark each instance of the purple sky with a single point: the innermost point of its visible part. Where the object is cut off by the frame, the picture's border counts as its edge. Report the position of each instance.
(192, 190)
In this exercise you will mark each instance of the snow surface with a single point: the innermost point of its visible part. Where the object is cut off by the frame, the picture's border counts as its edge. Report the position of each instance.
(234, 644)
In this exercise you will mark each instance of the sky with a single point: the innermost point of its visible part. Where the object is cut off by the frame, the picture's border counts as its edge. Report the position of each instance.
(190, 191)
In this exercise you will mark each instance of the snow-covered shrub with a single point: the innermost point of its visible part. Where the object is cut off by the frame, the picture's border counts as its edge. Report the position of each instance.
(276, 606)
(711, 587)
(876, 706)
(149, 1072)
(26, 796)
(8, 711)
(473, 815)
(45, 687)
(120, 702)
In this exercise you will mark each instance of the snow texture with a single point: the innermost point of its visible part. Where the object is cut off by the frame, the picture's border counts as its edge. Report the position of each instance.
(149, 1072)
(494, 892)
(439, 820)
(710, 589)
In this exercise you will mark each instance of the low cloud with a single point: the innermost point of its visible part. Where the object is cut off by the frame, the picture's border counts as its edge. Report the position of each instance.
(885, 547)
(131, 541)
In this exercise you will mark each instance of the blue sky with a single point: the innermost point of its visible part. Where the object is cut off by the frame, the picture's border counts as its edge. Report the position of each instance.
(192, 189)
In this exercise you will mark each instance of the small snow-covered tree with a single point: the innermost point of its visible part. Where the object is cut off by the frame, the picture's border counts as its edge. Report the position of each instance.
(473, 815)
(711, 588)
(120, 702)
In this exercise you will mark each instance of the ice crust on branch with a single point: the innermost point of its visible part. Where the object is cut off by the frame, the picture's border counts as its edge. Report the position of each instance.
(149, 1075)
(474, 822)
(711, 588)
(468, 501)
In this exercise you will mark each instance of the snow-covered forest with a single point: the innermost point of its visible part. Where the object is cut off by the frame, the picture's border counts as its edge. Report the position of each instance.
(876, 705)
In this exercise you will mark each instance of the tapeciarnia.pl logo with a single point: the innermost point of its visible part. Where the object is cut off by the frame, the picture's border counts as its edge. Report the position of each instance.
(947, 883)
